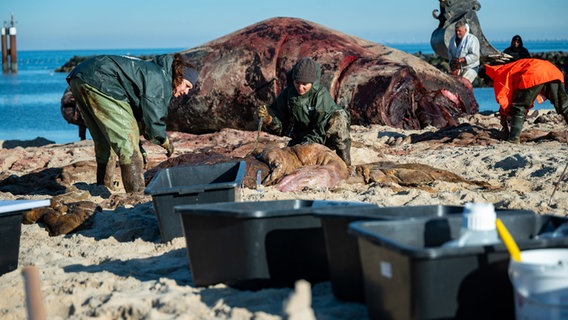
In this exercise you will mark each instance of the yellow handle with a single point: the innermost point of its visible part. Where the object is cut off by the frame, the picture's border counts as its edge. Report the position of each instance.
(508, 240)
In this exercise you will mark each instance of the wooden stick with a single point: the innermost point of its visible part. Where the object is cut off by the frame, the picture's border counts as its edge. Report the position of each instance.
(34, 301)
(258, 132)
(558, 183)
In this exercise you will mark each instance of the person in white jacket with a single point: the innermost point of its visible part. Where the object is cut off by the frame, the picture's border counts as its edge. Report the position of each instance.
(463, 52)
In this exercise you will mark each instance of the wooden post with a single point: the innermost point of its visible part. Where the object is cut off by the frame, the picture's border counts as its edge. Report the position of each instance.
(4, 50)
(9, 51)
(13, 50)
(34, 300)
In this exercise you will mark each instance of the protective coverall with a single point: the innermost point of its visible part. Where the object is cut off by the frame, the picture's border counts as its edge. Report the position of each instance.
(114, 93)
(518, 84)
(469, 49)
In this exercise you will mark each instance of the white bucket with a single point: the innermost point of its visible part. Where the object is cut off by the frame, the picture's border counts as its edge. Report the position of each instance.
(540, 283)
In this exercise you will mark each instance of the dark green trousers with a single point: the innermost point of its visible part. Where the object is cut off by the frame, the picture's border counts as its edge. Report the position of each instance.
(524, 99)
(553, 91)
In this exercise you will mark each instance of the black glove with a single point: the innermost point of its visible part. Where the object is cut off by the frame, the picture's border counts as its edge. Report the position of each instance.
(144, 153)
(455, 64)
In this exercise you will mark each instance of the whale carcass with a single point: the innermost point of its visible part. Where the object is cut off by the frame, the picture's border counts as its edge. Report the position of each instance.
(377, 84)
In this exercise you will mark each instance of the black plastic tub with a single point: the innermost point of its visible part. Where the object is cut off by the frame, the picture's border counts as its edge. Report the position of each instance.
(185, 185)
(343, 250)
(408, 274)
(254, 245)
(11, 212)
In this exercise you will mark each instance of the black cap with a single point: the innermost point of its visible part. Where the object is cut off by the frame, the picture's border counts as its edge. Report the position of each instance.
(190, 75)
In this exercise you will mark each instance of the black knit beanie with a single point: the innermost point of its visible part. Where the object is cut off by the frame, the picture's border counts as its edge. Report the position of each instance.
(190, 75)
(305, 71)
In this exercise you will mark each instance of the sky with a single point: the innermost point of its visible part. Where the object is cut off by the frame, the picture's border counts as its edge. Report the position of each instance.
(148, 24)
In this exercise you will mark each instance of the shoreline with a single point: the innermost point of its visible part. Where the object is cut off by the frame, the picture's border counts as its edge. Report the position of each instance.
(486, 103)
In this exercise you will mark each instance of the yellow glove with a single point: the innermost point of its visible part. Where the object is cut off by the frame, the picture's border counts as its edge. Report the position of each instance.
(263, 113)
(169, 147)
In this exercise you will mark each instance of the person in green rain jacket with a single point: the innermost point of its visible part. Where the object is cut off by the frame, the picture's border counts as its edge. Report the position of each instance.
(306, 112)
(115, 94)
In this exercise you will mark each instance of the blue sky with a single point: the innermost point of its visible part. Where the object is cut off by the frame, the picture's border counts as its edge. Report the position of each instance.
(118, 24)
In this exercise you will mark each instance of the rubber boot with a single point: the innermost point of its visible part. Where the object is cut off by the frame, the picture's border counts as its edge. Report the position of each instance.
(345, 154)
(133, 175)
(505, 130)
(516, 128)
(101, 173)
(105, 174)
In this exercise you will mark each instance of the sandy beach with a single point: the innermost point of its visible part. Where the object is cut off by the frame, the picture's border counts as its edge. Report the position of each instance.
(116, 267)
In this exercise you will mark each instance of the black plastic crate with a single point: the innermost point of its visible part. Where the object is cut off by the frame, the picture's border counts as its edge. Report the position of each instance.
(254, 245)
(11, 228)
(343, 250)
(185, 185)
(409, 275)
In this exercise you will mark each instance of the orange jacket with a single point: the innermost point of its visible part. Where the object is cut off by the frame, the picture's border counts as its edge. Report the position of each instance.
(521, 74)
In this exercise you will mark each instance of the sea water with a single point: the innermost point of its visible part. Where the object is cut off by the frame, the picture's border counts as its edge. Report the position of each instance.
(30, 100)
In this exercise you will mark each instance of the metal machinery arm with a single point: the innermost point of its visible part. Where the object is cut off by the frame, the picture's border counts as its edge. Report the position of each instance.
(452, 11)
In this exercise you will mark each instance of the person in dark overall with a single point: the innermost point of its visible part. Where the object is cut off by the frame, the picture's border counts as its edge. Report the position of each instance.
(306, 112)
(517, 50)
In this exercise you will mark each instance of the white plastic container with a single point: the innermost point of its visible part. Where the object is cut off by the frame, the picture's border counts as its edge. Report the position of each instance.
(478, 226)
(540, 282)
